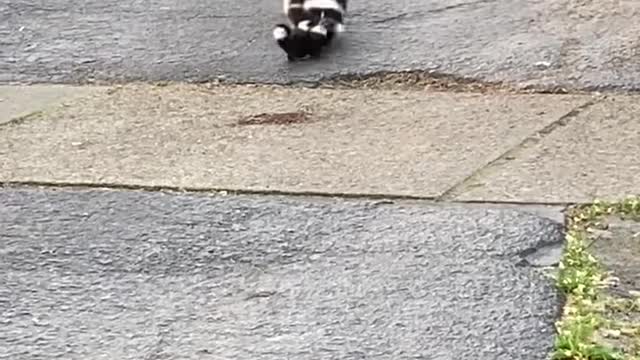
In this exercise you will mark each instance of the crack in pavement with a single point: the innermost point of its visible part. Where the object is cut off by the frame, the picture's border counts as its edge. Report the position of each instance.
(461, 5)
(432, 11)
(211, 16)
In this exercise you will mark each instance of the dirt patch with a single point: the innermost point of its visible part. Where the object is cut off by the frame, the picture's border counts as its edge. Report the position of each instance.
(284, 118)
(413, 80)
(435, 81)
(416, 80)
(617, 247)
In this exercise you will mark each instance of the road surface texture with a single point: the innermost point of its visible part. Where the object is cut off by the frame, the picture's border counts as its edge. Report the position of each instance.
(570, 43)
(135, 275)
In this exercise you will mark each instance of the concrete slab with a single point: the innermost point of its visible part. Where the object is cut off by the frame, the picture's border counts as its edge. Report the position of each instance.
(17, 101)
(596, 155)
(359, 141)
(581, 43)
(92, 275)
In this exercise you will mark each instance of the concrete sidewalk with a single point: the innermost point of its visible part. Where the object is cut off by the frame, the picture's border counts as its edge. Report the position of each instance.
(471, 147)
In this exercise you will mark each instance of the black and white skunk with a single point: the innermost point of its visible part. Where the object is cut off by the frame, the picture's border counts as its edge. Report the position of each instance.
(314, 24)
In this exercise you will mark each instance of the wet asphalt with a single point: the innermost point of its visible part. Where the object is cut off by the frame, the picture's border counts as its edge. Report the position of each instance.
(138, 275)
(549, 43)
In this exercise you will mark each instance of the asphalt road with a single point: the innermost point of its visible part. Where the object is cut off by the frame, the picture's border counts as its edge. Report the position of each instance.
(134, 275)
(578, 43)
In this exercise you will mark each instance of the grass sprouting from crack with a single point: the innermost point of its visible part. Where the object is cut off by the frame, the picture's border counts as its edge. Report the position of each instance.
(581, 278)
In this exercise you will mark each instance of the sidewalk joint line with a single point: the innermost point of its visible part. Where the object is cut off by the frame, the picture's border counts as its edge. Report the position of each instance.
(534, 138)
(21, 119)
(381, 198)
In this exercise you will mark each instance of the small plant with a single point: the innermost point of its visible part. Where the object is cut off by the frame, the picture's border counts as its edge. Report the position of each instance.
(579, 272)
(581, 278)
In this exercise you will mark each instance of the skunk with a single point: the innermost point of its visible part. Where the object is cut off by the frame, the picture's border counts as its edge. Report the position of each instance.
(314, 24)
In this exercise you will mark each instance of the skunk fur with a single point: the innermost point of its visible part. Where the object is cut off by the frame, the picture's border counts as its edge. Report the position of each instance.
(313, 25)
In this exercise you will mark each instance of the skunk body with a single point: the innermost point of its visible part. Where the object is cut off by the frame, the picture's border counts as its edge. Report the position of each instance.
(314, 24)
